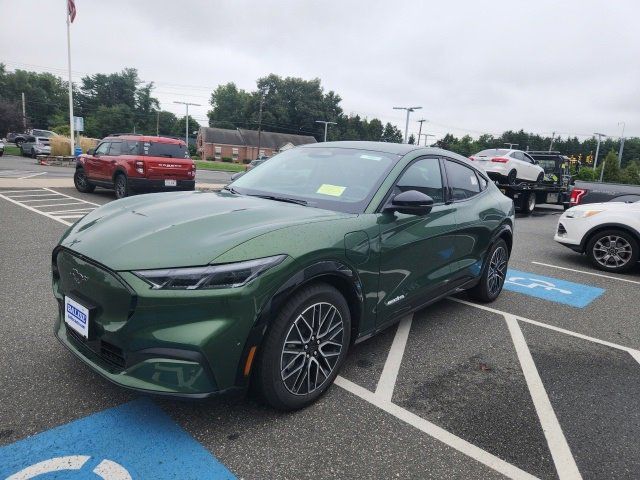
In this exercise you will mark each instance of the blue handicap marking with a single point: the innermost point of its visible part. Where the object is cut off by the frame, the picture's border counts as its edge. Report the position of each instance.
(549, 288)
(133, 441)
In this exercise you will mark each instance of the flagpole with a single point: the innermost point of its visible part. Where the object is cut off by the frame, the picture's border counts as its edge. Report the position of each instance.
(70, 82)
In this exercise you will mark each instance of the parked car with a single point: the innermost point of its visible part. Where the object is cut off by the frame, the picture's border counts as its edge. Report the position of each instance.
(595, 192)
(254, 163)
(509, 165)
(271, 280)
(34, 146)
(134, 163)
(1, 148)
(608, 233)
(19, 138)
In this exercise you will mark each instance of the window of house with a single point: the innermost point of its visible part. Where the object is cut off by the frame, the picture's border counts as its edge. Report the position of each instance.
(234, 153)
(463, 180)
(218, 153)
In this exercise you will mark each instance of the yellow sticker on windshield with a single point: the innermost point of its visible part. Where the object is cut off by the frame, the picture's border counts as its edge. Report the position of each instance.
(333, 190)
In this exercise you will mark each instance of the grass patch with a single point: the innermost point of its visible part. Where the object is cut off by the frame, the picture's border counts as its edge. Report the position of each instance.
(11, 150)
(221, 166)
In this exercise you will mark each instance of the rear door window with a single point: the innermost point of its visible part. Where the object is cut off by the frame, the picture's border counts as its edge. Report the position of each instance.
(463, 181)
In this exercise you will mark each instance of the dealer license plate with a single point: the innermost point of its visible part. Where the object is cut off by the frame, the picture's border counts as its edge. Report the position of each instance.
(170, 183)
(76, 316)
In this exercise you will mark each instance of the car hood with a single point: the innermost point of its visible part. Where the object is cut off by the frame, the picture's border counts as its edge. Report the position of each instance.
(180, 229)
(607, 206)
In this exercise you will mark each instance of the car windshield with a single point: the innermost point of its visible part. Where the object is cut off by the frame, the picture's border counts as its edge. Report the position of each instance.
(492, 152)
(44, 133)
(340, 179)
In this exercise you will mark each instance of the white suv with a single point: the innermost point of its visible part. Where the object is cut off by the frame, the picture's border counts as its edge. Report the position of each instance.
(510, 165)
(609, 233)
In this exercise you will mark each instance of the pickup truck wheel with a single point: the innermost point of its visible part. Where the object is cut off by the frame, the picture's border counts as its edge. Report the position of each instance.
(81, 182)
(121, 186)
(613, 250)
(304, 348)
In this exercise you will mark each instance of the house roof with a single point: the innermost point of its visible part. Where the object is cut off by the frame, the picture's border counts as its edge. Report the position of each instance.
(242, 136)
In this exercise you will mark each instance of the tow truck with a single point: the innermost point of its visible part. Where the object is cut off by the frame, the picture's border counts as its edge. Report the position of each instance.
(554, 188)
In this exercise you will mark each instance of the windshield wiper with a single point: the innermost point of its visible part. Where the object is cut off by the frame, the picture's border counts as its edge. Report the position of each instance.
(282, 199)
(230, 189)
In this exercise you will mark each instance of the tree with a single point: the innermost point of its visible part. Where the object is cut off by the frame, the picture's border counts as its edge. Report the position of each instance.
(10, 117)
(610, 166)
(391, 134)
(228, 106)
(166, 122)
(107, 120)
(412, 139)
(179, 127)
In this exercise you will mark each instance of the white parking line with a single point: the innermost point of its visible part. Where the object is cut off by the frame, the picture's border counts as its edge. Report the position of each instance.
(387, 381)
(32, 175)
(33, 195)
(558, 446)
(21, 191)
(588, 273)
(58, 204)
(435, 431)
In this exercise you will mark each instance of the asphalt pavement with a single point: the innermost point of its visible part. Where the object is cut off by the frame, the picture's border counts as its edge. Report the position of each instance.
(525, 387)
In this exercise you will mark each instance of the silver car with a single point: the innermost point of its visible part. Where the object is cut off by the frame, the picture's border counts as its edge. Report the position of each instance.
(34, 146)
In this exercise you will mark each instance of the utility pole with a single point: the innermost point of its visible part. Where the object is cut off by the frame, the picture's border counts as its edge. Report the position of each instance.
(595, 160)
(621, 144)
(186, 121)
(69, 20)
(511, 145)
(406, 126)
(325, 127)
(260, 125)
(421, 121)
(24, 115)
(553, 136)
(426, 137)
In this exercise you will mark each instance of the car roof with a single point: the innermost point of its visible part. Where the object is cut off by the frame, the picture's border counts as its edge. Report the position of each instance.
(145, 138)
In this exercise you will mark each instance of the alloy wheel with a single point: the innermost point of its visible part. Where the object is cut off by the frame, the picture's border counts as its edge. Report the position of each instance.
(121, 187)
(497, 270)
(81, 180)
(312, 348)
(612, 251)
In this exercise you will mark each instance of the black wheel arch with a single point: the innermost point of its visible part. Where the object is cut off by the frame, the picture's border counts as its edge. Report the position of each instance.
(118, 171)
(505, 232)
(333, 272)
(608, 226)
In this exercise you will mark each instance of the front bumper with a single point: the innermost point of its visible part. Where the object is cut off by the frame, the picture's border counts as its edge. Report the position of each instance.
(145, 184)
(566, 234)
(181, 343)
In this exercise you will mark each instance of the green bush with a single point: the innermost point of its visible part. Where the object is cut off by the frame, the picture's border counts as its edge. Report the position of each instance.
(588, 174)
(227, 159)
(246, 161)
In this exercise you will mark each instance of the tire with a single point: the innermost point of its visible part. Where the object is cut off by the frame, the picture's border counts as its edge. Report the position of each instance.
(283, 375)
(1, 152)
(624, 247)
(33, 153)
(529, 204)
(121, 186)
(81, 182)
(512, 177)
(493, 274)
(19, 142)
(540, 178)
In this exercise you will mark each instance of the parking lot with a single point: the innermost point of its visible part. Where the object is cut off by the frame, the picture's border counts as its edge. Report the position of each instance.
(542, 383)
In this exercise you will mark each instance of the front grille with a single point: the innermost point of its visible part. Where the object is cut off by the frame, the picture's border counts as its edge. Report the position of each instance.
(561, 229)
(112, 354)
(107, 352)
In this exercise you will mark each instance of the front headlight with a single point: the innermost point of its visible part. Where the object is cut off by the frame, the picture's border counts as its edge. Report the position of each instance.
(582, 213)
(228, 275)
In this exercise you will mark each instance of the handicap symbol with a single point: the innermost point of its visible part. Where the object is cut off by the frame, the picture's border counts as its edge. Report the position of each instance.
(106, 469)
(536, 282)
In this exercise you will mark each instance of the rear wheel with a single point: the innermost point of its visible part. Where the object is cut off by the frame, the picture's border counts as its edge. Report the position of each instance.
(494, 274)
(82, 182)
(304, 348)
(613, 250)
(511, 177)
(121, 186)
(529, 203)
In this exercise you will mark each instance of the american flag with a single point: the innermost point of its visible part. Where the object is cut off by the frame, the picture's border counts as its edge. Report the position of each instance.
(71, 8)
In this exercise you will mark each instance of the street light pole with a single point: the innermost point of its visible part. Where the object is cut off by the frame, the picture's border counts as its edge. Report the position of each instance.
(621, 144)
(186, 120)
(595, 160)
(426, 137)
(406, 125)
(421, 121)
(325, 127)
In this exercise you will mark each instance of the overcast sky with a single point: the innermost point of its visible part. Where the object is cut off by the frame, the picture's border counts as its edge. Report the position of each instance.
(474, 66)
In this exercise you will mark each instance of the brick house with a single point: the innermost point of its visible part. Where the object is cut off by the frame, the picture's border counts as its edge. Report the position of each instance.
(242, 145)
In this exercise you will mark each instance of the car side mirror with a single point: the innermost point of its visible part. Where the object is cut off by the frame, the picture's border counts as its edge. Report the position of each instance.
(236, 175)
(91, 151)
(411, 202)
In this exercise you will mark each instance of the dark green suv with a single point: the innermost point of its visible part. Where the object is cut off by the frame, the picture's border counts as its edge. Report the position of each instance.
(272, 279)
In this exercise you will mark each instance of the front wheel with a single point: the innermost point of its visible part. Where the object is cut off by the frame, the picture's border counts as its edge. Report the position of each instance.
(493, 275)
(613, 251)
(81, 182)
(304, 348)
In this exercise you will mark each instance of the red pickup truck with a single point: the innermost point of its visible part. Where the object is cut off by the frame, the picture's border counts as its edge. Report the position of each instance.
(135, 163)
